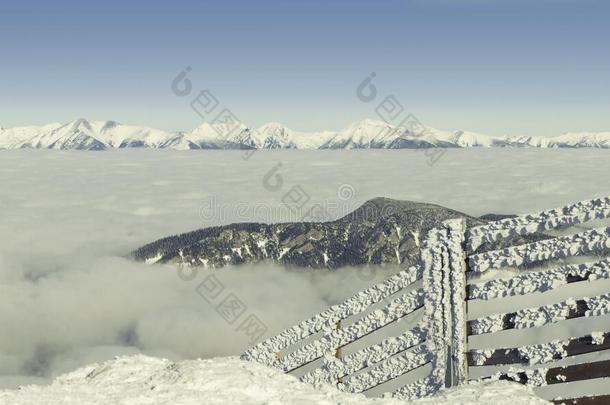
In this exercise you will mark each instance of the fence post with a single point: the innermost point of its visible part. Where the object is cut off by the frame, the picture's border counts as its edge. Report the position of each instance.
(338, 351)
(457, 292)
(445, 288)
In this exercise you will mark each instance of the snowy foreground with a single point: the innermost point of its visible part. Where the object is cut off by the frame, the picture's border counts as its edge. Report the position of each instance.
(149, 380)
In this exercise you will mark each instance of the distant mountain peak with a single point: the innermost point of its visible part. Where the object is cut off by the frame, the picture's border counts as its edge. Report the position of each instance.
(373, 122)
(110, 124)
(80, 122)
(368, 123)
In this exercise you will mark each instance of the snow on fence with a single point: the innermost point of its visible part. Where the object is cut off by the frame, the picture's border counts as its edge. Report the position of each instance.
(449, 277)
(570, 215)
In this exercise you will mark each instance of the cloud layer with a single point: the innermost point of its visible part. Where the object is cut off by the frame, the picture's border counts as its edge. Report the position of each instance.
(68, 297)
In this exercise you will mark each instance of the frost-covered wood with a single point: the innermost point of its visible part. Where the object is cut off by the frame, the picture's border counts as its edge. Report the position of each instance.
(434, 257)
(265, 351)
(444, 285)
(457, 291)
(440, 339)
(557, 375)
(420, 388)
(588, 400)
(393, 311)
(387, 370)
(539, 281)
(540, 316)
(578, 213)
(540, 353)
(592, 241)
(333, 368)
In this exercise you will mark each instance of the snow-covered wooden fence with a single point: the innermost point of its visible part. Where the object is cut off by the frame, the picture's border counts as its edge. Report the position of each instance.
(432, 299)
(532, 364)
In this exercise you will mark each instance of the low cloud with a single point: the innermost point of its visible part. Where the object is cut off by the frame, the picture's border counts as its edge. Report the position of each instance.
(65, 317)
(68, 298)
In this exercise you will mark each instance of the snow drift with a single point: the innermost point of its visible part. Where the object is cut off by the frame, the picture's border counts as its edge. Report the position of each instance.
(149, 380)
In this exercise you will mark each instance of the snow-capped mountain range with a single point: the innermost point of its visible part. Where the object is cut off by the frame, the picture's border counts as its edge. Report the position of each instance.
(82, 134)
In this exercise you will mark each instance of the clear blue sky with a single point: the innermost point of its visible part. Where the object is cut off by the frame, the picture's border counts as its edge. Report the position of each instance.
(537, 67)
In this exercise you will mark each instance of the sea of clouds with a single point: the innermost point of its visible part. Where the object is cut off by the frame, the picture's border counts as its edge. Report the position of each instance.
(69, 296)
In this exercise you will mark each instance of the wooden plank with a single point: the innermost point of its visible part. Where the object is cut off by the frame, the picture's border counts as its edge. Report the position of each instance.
(387, 370)
(539, 281)
(333, 370)
(541, 353)
(359, 360)
(581, 212)
(393, 311)
(540, 316)
(435, 259)
(264, 351)
(558, 375)
(444, 282)
(592, 400)
(417, 389)
(591, 241)
(457, 301)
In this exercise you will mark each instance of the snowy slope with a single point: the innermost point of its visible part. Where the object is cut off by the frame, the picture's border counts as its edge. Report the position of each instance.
(582, 139)
(120, 136)
(274, 135)
(218, 136)
(223, 381)
(378, 134)
(468, 139)
(87, 135)
(374, 134)
(20, 137)
(365, 134)
(528, 141)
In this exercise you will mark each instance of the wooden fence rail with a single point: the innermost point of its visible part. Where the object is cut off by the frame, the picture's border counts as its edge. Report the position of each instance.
(578, 213)
(555, 350)
(590, 400)
(539, 281)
